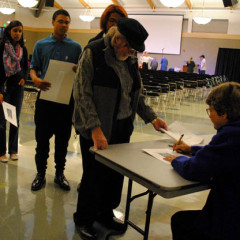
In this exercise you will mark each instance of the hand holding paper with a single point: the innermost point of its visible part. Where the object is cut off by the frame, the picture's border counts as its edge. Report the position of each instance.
(159, 124)
(42, 84)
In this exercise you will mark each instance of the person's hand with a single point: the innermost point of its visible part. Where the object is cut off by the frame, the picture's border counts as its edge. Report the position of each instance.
(43, 85)
(100, 142)
(181, 147)
(170, 158)
(21, 82)
(159, 123)
(74, 68)
(1, 98)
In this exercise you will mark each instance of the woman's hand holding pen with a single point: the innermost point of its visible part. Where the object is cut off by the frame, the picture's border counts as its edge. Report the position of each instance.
(181, 147)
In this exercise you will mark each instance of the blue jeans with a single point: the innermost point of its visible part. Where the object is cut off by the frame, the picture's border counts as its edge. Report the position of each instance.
(14, 96)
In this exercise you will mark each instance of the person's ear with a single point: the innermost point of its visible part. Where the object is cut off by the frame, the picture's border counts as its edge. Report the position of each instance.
(224, 116)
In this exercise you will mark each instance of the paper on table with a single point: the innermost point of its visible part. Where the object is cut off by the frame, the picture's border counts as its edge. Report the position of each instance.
(10, 113)
(61, 76)
(161, 153)
(176, 129)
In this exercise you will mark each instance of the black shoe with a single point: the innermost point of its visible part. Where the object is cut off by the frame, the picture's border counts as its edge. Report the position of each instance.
(38, 182)
(62, 182)
(113, 223)
(86, 232)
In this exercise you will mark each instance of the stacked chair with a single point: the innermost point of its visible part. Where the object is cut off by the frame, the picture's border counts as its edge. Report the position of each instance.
(30, 95)
(166, 89)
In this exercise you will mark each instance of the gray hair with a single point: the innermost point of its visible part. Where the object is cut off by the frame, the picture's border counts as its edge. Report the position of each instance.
(113, 32)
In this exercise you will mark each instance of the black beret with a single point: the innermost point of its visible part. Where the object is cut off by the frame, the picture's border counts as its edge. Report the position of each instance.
(134, 32)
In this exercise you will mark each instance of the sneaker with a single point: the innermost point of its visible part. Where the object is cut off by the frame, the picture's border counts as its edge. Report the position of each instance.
(14, 157)
(3, 158)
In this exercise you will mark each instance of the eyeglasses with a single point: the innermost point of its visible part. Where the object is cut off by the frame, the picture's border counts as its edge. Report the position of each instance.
(208, 110)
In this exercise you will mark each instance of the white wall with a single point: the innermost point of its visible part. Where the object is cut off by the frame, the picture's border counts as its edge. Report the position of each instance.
(231, 15)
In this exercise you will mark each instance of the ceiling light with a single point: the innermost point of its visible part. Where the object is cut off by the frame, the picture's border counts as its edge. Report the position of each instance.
(202, 20)
(6, 8)
(7, 11)
(28, 3)
(87, 16)
(172, 3)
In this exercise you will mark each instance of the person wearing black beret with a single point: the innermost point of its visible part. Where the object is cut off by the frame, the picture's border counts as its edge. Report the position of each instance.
(107, 93)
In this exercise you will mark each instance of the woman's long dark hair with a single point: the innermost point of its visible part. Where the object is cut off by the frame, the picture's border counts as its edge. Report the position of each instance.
(6, 34)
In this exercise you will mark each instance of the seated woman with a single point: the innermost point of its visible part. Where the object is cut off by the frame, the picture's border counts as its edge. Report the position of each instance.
(217, 163)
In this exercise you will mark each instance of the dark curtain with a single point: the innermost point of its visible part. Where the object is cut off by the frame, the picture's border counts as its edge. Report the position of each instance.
(228, 64)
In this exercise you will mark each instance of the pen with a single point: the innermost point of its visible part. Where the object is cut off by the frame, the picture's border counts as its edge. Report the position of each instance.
(178, 142)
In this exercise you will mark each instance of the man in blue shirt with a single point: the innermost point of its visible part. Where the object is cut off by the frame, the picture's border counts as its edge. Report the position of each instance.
(164, 64)
(53, 118)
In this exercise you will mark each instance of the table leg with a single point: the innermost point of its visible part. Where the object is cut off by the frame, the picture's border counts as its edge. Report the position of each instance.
(151, 196)
(129, 192)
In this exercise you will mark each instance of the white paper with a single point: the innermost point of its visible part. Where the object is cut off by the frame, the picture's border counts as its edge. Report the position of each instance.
(161, 153)
(61, 76)
(176, 129)
(10, 113)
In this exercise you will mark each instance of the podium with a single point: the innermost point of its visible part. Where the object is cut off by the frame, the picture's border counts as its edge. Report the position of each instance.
(184, 68)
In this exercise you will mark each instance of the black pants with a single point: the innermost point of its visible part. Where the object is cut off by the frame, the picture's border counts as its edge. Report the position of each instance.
(145, 65)
(101, 187)
(52, 119)
(184, 228)
(14, 96)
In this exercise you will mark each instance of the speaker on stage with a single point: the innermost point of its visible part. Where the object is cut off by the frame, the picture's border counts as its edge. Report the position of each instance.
(49, 3)
(229, 3)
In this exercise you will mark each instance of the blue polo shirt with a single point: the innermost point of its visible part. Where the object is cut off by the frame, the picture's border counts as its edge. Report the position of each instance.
(49, 48)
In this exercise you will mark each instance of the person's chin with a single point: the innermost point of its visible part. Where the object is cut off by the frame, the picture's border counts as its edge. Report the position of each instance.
(121, 58)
